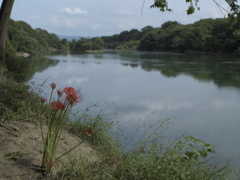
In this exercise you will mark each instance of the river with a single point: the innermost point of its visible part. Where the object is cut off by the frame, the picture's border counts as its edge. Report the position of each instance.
(199, 93)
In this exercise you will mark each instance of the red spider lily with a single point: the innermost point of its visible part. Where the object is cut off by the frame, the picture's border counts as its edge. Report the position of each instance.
(47, 163)
(69, 90)
(89, 131)
(51, 164)
(55, 161)
(72, 96)
(59, 92)
(52, 85)
(58, 105)
(43, 100)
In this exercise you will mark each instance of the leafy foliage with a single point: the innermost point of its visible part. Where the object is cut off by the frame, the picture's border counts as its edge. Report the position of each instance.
(85, 44)
(207, 35)
(154, 156)
(126, 39)
(233, 14)
(163, 6)
(23, 38)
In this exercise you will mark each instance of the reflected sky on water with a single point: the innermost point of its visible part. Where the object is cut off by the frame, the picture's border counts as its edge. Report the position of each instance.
(201, 94)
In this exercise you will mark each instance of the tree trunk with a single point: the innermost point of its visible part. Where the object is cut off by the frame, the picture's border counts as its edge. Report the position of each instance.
(5, 13)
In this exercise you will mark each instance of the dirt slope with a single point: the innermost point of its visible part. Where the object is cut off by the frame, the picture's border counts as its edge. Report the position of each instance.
(21, 150)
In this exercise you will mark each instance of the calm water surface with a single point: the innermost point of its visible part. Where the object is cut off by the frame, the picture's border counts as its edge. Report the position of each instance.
(201, 94)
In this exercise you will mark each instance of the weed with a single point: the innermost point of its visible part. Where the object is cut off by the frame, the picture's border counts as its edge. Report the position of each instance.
(15, 155)
(150, 158)
(57, 116)
(16, 102)
(17, 66)
(99, 122)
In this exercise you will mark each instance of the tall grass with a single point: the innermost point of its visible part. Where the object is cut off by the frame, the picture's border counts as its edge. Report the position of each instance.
(101, 123)
(17, 103)
(154, 156)
(18, 67)
(57, 116)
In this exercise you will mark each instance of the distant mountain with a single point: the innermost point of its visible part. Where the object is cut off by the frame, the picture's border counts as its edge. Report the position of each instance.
(70, 38)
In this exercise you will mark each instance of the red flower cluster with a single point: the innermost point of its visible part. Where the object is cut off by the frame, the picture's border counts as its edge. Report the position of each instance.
(43, 100)
(59, 92)
(52, 85)
(58, 105)
(51, 164)
(89, 131)
(72, 96)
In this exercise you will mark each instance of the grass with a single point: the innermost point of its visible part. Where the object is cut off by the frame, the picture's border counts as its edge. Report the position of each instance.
(99, 122)
(181, 158)
(15, 155)
(58, 113)
(150, 158)
(15, 101)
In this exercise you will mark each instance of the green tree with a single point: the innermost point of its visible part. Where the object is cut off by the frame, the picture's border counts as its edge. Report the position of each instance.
(170, 24)
(21, 34)
(63, 44)
(42, 36)
(221, 39)
(5, 14)
(150, 41)
(22, 37)
(72, 45)
(85, 44)
(97, 43)
(53, 40)
(146, 29)
(82, 44)
(123, 36)
(193, 5)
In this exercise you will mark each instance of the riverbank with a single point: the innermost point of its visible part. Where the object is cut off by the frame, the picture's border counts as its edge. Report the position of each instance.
(21, 144)
(100, 157)
(21, 150)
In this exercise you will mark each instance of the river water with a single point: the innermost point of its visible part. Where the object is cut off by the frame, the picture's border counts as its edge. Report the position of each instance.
(199, 93)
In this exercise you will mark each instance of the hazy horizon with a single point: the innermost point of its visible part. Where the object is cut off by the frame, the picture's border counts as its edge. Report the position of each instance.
(105, 18)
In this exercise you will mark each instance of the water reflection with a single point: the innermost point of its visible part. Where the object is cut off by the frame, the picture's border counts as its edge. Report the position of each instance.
(223, 71)
(38, 64)
(187, 87)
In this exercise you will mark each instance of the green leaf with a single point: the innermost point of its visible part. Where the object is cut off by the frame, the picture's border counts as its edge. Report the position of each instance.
(190, 10)
(197, 141)
(203, 153)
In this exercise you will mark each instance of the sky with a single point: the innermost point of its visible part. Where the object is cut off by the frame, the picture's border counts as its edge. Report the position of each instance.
(105, 17)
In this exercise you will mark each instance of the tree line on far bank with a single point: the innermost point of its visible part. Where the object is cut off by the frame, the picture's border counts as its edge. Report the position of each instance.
(206, 35)
(23, 38)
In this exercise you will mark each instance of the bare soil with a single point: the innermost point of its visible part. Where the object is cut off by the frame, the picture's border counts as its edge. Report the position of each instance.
(21, 150)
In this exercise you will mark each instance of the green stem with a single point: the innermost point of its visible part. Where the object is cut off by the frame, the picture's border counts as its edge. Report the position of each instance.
(70, 150)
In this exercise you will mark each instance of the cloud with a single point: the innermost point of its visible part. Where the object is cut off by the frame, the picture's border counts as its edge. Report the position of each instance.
(165, 104)
(76, 80)
(60, 22)
(123, 12)
(35, 17)
(217, 13)
(75, 11)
